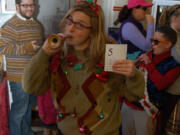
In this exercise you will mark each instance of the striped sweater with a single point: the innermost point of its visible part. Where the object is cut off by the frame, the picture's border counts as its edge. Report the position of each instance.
(15, 42)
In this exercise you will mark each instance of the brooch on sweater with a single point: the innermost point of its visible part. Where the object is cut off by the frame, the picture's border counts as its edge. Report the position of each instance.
(74, 62)
(77, 64)
(101, 74)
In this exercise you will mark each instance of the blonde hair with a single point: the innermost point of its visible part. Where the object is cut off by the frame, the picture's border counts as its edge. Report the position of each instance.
(167, 14)
(98, 36)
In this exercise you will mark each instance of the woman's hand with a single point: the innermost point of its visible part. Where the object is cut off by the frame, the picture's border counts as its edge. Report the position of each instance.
(124, 67)
(35, 46)
(150, 19)
(42, 117)
(53, 44)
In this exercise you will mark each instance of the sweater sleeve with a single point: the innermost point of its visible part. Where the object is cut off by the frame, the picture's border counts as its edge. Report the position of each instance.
(130, 32)
(134, 87)
(8, 43)
(36, 78)
(162, 81)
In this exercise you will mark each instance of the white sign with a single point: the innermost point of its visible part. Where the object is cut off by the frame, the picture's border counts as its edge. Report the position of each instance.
(114, 52)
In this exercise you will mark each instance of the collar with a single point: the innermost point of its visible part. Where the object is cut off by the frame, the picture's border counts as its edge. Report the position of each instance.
(159, 58)
(23, 18)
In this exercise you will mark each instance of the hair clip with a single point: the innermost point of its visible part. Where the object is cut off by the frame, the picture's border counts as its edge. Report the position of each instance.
(92, 3)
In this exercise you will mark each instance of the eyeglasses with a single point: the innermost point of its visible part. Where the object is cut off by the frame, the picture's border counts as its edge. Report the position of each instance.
(28, 5)
(143, 8)
(156, 42)
(78, 25)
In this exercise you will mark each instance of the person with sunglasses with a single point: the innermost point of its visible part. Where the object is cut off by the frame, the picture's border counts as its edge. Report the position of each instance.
(160, 70)
(72, 65)
(131, 30)
(171, 17)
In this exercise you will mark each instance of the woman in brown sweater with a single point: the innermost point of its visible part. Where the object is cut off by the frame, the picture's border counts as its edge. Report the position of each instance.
(85, 95)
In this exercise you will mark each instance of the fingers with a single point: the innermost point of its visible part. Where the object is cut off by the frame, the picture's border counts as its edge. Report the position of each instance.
(34, 41)
(62, 35)
(35, 47)
(124, 67)
(48, 49)
(54, 43)
(123, 63)
(42, 117)
(149, 18)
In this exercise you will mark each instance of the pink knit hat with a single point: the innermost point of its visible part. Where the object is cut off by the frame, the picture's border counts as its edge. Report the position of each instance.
(135, 3)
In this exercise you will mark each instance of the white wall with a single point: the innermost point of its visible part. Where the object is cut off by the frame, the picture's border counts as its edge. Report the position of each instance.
(4, 18)
(50, 14)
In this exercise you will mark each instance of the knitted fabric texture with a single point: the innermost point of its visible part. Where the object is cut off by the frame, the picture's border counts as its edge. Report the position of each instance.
(15, 43)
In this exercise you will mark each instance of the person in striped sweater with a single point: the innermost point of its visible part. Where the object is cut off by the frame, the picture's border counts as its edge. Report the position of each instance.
(21, 37)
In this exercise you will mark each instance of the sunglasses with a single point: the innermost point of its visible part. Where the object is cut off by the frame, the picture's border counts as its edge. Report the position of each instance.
(140, 7)
(156, 42)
